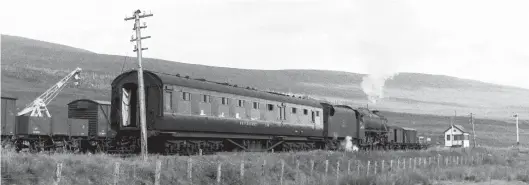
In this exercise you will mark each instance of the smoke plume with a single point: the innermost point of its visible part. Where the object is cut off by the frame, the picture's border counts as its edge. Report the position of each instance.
(373, 86)
(387, 39)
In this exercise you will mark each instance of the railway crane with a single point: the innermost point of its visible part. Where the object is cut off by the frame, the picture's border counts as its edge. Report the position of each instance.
(37, 108)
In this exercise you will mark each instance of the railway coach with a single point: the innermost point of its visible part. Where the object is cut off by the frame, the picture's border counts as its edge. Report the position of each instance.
(184, 115)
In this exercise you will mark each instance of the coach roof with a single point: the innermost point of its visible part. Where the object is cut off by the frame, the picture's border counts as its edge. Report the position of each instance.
(167, 79)
(101, 102)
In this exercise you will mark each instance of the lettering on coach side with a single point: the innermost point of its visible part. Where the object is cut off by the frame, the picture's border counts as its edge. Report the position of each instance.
(248, 123)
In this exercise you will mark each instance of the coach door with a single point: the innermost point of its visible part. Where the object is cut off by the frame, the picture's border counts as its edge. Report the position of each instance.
(129, 105)
(153, 103)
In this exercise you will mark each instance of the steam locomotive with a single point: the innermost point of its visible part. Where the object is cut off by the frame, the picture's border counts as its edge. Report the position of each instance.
(185, 116)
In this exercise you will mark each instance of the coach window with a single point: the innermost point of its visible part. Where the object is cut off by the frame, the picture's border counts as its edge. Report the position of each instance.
(241, 103)
(255, 105)
(186, 96)
(294, 110)
(168, 99)
(206, 98)
(313, 116)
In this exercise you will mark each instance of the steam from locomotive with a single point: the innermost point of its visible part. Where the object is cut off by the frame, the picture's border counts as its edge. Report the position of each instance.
(373, 86)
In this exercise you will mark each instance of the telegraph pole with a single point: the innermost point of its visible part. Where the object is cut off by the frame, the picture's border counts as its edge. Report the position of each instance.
(138, 49)
(473, 130)
(517, 132)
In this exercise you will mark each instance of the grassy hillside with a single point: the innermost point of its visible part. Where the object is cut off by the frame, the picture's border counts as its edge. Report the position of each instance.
(29, 67)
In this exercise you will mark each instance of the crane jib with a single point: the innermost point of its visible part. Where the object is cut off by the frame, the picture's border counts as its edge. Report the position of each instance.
(37, 106)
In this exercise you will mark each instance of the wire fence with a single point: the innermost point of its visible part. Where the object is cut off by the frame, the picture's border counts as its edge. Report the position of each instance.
(200, 171)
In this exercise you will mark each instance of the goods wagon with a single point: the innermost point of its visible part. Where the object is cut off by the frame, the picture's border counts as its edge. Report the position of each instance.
(395, 134)
(8, 116)
(410, 135)
(97, 113)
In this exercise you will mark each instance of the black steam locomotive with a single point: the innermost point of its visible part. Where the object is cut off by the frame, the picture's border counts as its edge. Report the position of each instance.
(186, 115)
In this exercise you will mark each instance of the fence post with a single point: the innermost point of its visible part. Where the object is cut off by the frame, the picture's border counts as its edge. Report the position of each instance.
(404, 163)
(157, 172)
(219, 172)
(337, 171)
(282, 171)
(241, 170)
(349, 167)
(438, 158)
(358, 163)
(200, 151)
(264, 168)
(58, 173)
(311, 167)
(134, 174)
(190, 170)
(414, 162)
(375, 168)
(297, 171)
(368, 165)
(398, 163)
(411, 166)
(391, 165)
(116, 173)
(382, 166)
(326, 169)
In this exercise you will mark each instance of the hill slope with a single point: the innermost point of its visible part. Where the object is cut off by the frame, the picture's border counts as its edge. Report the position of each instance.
(29, 67)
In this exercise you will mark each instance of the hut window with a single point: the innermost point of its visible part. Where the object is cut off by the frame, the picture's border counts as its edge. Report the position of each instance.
(317, 113)
(224, 101)
(305, 111)
(206, 99)
(168, 99)
(270, 107)
(294, 110)
(255, 105)
(186, 96)
(241, 103)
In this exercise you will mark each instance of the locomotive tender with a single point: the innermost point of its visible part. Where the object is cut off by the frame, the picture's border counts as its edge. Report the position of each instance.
(187, 115)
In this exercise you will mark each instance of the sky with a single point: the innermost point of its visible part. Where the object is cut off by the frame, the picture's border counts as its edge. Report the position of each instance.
(474, 39)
